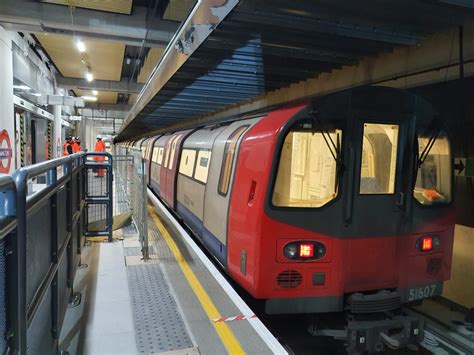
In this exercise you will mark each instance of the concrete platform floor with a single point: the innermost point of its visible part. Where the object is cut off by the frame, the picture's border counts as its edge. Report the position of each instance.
(103, 322)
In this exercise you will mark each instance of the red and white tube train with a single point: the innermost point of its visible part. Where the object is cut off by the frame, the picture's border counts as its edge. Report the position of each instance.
(342, 202)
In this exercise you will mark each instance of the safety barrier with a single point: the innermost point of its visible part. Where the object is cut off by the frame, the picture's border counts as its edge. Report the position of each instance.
(42, 225)
(99, 195)
(130, 169)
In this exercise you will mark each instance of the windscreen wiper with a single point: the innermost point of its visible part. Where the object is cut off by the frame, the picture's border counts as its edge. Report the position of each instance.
(426, 151)
(334, 148)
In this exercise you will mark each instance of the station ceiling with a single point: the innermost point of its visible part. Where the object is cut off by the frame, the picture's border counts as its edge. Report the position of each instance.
(266, 45)
(124, 40)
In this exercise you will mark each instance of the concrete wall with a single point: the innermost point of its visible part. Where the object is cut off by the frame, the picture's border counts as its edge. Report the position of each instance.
(460, 288)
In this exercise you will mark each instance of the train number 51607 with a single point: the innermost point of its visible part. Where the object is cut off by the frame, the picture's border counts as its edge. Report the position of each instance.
(418, 293)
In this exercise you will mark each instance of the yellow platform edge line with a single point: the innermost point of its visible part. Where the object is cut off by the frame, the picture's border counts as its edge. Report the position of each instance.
(225, 334)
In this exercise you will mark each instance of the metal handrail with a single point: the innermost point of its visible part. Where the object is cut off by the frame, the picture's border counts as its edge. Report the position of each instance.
(17, 205)
(8, 219)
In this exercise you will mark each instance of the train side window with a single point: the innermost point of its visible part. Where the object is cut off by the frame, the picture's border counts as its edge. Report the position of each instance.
(379, 159)
(160, 155)
(306, 174)
(433, 180)
(186, 165)
(229, 152)
(202, 165)
(154, 157)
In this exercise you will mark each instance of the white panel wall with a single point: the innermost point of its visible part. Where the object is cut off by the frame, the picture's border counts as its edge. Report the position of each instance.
(7, 119)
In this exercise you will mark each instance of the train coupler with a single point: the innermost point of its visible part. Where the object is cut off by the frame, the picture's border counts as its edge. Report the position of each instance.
(371, 335)
(393, 332)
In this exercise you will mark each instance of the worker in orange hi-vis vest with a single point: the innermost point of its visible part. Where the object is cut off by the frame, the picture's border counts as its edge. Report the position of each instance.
(67, 147)
(100, 147)
(76, 146)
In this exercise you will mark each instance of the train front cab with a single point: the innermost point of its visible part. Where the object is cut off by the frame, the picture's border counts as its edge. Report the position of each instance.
(357, 214)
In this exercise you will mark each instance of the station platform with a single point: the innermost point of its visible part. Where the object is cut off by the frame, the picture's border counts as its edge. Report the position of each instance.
(175, 303)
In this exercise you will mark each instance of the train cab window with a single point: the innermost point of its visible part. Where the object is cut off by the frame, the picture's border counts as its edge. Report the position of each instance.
(229, 152)
(306, 174)
(160, 155)
(186, 165)
(379, 159)
(202, 165)
(433, 180)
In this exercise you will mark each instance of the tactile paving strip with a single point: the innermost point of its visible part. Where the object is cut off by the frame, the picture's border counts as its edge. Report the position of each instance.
(158, 324)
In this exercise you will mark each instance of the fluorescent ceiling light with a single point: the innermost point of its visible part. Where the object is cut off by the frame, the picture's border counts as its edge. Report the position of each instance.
(89, 98)
(94, 92)
(21, 87)
(89, 76)
(36, 94)
(81, 47)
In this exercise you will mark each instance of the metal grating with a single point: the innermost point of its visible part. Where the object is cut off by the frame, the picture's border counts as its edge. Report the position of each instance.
(3, 316)
(289, 279)
(158, 325)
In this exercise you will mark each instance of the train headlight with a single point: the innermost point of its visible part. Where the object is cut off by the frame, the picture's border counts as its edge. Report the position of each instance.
(291, 251)
(304, 250)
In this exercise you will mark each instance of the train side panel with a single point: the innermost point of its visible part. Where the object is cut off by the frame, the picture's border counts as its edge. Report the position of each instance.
(192, 183)
(246, 217)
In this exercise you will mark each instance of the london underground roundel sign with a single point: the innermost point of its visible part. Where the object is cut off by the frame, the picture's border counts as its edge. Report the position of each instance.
(5, 152)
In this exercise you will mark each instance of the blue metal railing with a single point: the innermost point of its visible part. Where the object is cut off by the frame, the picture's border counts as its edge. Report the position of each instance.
(42, 228)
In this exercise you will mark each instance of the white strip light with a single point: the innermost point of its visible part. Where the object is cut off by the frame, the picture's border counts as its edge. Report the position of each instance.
(81, 47)
(89, 76)
(89, 98)
(22, 87)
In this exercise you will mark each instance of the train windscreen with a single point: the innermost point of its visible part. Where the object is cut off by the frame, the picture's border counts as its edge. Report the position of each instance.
(379, 159)
(433, 180)
(307, 171)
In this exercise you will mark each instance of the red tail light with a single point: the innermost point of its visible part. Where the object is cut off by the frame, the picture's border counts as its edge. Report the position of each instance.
(306, 250)
(427, 244)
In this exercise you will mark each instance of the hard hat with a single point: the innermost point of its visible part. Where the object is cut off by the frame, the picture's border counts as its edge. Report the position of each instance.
(99, 136)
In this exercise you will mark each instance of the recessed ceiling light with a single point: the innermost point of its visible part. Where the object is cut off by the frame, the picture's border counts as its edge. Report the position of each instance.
(94, 92)
(89, 76)
(89, 98)
(81, 47)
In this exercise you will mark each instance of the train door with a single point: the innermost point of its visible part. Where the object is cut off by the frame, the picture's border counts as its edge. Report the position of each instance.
(220, 177)
(169, 167)
(42, 141)
(156, 163)
(380, 148)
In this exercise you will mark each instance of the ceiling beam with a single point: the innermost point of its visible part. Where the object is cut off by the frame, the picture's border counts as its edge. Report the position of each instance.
(33, 16)
(111, 107)
(101, 85)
